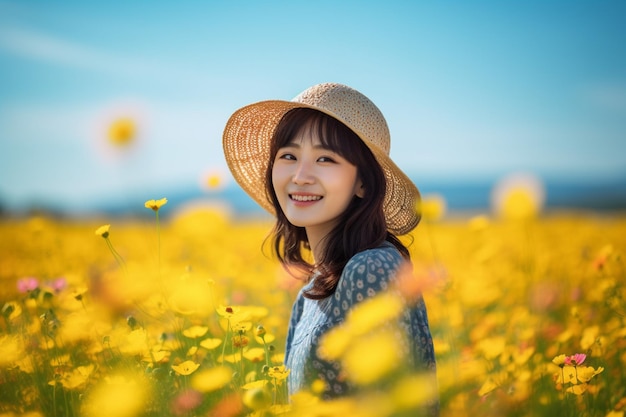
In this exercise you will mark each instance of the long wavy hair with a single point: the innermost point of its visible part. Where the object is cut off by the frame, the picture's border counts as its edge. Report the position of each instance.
(362, 225)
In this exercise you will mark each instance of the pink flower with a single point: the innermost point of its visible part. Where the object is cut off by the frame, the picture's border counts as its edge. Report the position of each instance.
(59, 284)
(576, 359)
(28, 284)
(186, 402)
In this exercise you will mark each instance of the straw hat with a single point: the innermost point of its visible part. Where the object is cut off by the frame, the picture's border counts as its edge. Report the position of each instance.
(249, 131)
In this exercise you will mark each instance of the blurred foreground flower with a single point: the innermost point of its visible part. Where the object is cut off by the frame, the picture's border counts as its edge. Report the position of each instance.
(122, 131)
(213, 180)
(118, 395)
(518, 197)
(212, 379)
(431, 207)
(28, 284)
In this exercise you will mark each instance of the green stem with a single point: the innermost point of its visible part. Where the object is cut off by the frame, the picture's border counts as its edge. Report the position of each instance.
(267, 352)
(116, 255)
(225, 340)
(158, 229)
(243, 374)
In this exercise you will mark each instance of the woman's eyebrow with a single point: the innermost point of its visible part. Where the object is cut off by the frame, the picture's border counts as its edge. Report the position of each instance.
(297, 145)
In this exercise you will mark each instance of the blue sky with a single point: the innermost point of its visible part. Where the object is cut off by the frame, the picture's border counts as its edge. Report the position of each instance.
(471, 90)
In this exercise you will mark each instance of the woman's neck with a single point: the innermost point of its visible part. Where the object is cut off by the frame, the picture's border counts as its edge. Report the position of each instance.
(317, 243)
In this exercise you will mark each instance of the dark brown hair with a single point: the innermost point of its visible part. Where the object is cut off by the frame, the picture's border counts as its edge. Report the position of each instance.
(362, 226)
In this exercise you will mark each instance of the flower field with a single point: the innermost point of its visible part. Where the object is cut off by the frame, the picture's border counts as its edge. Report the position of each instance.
(187, 316)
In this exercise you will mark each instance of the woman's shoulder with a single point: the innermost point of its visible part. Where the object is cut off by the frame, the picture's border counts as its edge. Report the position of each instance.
(385, 254)
(369, 272)
(373, 265)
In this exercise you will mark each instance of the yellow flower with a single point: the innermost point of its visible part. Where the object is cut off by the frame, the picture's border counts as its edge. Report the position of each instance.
(103, 231)
(240, 341)
(372, 356)
(585, 373)
(255, 384)
(318, 386)
(374, 312)
(228, 311)
(195, 332)
(122, 131)
(241, 326)
(186, 368)
(559, 360)
(266, 339)
(414, 390)
(76, 378)
(211, 379)
(210, 343)
(488, 386)
(121, 396)
(212, 180)
(431, 207)
(518, 197)
(335, 342)
(577, 389)
(279, 373)
(478, 223)
(567, 375)
(260, 331)
(11, 350)
(255, 355)
(257, 398)
(135, 343)
(232, 358)
(155, 204)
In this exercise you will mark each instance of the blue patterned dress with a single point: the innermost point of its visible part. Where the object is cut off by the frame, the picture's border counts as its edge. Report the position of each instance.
(366, 274)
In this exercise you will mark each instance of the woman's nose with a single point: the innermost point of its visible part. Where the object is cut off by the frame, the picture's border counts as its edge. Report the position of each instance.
(302, 174)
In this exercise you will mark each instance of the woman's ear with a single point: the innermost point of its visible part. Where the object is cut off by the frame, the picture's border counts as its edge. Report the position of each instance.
(360, 189)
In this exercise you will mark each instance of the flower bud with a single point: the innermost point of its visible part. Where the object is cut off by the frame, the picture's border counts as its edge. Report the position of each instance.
(260, 331)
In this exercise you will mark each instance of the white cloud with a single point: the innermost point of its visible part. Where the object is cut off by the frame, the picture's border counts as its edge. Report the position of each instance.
(70, 53)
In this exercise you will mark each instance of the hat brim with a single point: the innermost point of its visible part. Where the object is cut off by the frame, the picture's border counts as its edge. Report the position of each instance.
(246, 141)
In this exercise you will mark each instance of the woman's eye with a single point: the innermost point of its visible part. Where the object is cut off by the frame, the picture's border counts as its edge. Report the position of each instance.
(287, 156)
(325, 159)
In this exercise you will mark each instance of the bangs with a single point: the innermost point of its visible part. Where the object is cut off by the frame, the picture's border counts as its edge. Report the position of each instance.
(333, 135)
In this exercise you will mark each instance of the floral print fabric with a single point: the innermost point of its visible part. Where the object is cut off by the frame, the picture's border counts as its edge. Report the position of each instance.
(365, 275)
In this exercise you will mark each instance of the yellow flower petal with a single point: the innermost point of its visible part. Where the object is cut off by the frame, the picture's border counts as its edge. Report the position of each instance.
(255, 384)
(278, 372)
(120, 396)
(155, 204)
(103, 230)
(372, 357)
(559, 360)
(212, 379)
(431, 207)
(210, 343)
(374, 312)
(186, 368)
(255, 354)
(195, 332)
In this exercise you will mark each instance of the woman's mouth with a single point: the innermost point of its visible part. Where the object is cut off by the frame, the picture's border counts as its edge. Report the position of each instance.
(305, 198)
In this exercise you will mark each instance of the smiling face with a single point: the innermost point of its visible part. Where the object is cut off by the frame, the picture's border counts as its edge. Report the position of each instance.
(313, 184)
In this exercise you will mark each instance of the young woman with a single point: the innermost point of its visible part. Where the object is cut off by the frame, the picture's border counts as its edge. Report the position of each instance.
(320, 163)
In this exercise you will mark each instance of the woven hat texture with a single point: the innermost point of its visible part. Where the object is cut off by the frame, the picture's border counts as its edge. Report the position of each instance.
(249, 131)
